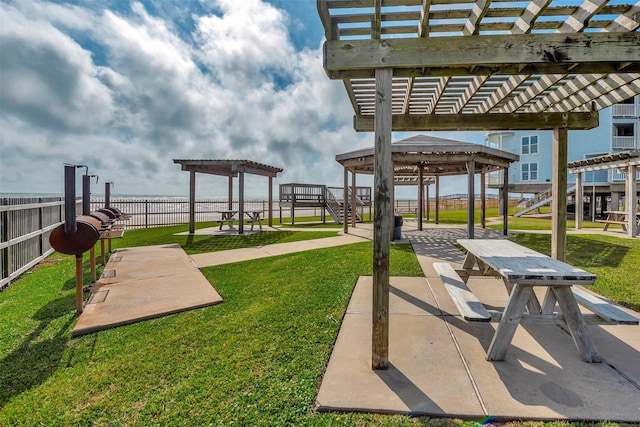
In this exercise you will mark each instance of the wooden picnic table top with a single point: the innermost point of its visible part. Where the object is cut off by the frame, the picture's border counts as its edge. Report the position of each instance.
(525, 266)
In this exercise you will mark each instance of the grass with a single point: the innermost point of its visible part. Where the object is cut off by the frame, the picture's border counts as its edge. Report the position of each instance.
(194, 244)
(253, 360)
(614, 260)
(256, 359)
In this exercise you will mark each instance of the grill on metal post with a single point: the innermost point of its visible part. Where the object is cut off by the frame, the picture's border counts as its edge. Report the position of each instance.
(76, 235)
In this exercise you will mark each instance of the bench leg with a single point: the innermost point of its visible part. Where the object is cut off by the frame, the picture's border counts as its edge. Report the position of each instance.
(577, 327)
(509, 322)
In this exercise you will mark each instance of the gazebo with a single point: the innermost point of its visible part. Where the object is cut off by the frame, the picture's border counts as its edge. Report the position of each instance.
(625, 161)
(230, 169)
(414, 65)
(427, 156)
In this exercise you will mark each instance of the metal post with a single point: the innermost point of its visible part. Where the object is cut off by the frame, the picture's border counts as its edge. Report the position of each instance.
(69, 199)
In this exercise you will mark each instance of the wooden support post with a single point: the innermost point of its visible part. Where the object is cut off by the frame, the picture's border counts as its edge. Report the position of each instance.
(92, 261)
(483, 200)
(437, 199)
(270, 201)
(79, 297)
(345, 189)
(471, 197)
(631, 203)
(382, 229)
(559, 193)
(354, 206)
(241, 203)
(579, 201)
(192, 202)
(428, 207)
(420, 195)
(505, 201)
(230, 192)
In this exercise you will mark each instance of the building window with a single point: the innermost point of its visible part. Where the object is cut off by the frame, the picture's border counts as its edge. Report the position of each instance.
(530, 144)
(529, 171)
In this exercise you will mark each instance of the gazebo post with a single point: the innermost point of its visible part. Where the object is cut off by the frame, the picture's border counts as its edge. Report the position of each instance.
(559, 193)
(241, 203)
(270, 201)
(483, 200)
(428, 207)
(579, 201)
(437, 199)
(383, 183)
(420, 195)
(230, 192)
(631, 202)
(505, 201)
(354, 210)
(471, 198)
(345, 189)
(192, 202)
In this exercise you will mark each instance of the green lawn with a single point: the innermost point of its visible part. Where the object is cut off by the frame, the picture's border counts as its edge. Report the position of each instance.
(614, 260)
(256, 359)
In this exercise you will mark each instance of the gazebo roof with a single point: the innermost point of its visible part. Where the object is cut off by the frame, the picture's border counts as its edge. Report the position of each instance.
(227, 167)
(482, 65)
(438, 156)
(608, 161)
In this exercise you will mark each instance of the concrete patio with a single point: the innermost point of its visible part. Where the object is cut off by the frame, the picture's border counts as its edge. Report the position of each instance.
(437, 359)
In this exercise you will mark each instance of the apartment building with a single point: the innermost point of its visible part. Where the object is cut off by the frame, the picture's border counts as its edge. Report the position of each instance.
(619, 130)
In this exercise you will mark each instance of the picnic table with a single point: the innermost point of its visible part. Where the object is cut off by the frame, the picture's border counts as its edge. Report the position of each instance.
(255, 217)
(618, 217)
(521, 269)
(227, 216)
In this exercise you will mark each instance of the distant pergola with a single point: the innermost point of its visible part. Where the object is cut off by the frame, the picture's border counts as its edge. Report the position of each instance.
(427, 156)
(626, 162)
(230, 169)
(417, 65)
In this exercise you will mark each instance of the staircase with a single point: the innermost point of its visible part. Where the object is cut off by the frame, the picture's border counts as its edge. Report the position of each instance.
(336, 207)
(539, 200)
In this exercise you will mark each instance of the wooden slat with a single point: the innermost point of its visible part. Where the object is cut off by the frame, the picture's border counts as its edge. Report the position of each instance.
(467, 303)
(602, 308)
(482, 122)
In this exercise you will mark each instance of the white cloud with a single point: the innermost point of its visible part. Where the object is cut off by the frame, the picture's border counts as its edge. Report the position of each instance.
(125, 92)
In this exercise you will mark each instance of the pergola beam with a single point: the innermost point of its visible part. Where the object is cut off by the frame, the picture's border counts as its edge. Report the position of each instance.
(493, 54)
(483, 122)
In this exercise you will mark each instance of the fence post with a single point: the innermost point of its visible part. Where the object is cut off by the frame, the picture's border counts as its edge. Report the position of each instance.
(146, 213)
(5, 238)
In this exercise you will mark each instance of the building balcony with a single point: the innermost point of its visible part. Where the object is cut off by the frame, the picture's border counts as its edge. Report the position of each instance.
(624, 110)
(623, 143)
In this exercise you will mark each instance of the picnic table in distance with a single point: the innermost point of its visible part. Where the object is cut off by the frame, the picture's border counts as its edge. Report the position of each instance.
(227, 216)
(618, 217)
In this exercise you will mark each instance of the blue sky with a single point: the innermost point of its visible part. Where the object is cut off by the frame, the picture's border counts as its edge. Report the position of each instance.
(124, 87)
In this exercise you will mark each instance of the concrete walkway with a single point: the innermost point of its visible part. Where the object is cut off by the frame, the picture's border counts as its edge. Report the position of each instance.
(245, 254)
(437, 359)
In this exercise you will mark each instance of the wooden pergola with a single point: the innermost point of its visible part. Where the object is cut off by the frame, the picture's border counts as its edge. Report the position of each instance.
(627, 162)
(421, 65)
(230, 169)
(422, 156)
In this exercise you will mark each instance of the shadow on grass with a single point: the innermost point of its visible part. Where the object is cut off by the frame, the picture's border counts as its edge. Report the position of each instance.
(36, 359)
(223, 243)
